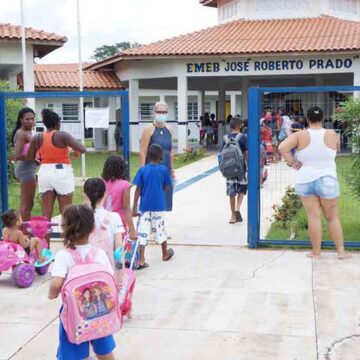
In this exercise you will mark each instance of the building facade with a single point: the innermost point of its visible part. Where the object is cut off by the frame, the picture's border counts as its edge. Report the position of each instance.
(256, 43)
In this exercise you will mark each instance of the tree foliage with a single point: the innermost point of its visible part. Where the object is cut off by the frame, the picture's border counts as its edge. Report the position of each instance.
(349, 115)
(105, 51)
(12, 107)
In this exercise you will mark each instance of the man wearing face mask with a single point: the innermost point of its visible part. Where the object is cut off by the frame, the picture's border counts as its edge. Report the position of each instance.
(159, 133)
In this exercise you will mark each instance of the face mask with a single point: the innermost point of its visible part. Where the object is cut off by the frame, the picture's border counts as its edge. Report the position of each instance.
(161, 118)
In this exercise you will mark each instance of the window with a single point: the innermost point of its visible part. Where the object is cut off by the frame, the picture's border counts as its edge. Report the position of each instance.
(70, 112)
(279, 5)
(146, 111)
(229, 11)
(344, 6)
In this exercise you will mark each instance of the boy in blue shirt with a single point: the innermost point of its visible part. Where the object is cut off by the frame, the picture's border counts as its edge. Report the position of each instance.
(152, 180)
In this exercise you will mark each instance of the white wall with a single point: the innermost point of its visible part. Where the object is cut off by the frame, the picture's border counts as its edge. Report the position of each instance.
(229, 10)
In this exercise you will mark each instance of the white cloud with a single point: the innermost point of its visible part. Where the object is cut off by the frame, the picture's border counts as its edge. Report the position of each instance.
(109, 21)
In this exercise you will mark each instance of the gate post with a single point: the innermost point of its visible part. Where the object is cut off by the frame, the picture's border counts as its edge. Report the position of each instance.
(3, 155)
(254, 167)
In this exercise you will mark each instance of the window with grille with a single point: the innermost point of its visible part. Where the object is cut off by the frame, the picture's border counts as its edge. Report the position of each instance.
(70, 112)
(146, 111)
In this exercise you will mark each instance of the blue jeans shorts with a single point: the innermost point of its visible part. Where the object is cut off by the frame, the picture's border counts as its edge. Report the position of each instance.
(70, 351)
(326, 187)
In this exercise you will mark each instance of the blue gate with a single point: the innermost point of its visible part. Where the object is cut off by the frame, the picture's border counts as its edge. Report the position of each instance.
(258, 100)
(124, 98)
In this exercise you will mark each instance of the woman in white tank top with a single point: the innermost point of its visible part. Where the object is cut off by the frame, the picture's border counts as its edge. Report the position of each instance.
(316, 181)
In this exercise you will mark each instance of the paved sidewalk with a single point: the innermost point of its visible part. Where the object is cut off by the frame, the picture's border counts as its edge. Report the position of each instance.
(214, 300)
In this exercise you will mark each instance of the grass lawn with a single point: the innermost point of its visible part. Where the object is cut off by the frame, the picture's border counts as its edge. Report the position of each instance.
(349, 207)
(94, 165)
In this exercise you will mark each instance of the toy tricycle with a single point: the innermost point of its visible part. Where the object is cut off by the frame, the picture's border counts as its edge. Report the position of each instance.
(24, 266)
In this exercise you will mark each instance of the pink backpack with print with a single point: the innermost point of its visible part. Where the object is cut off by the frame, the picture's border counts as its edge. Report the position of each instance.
(90, 300)
(100, 239)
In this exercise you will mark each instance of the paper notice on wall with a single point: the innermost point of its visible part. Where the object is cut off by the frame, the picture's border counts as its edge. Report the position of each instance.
(97, 118)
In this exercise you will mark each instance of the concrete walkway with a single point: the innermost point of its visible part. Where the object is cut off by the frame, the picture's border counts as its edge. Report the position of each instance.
(214, 300)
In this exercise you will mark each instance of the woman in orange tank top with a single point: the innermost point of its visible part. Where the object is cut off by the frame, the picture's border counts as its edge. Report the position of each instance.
(55, 177)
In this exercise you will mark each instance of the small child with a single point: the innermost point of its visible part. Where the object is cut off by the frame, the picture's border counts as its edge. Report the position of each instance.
(78, 223)
(11, 232)
(94, 191)
(117, 196)
(152, 180)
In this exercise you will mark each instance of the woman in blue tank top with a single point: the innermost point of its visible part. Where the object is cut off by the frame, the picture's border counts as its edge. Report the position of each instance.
(159, 133)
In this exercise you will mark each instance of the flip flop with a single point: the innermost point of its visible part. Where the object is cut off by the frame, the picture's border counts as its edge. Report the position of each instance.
(238, 216)
(143, 266)
(345, 256)
(170, 255)
(233, 221)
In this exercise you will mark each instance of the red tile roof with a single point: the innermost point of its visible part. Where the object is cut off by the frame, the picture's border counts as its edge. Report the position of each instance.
(13, 32)
(245, 37)
(66, 77)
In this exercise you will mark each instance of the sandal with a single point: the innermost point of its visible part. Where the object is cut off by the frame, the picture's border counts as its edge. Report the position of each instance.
(238, 216)
(233, 221)
(345, 256)
(143, 266)
(170, 255)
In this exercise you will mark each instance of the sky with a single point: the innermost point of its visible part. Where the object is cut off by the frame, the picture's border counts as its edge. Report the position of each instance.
(108, 21)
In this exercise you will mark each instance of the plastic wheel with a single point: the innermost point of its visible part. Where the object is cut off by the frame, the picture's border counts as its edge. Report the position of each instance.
(23, 275)
(42, 270)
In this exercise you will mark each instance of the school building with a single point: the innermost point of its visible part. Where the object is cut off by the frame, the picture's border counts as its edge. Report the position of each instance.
(256, 43)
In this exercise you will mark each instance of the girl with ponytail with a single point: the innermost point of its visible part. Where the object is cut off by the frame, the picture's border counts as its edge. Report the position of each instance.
(94, 193)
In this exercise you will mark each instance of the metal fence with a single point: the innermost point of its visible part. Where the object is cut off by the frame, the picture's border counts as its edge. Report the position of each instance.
(264, 201)
(9, 188)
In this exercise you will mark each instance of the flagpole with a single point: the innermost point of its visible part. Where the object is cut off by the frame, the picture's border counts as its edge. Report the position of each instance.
(23, 43)
(81, 88)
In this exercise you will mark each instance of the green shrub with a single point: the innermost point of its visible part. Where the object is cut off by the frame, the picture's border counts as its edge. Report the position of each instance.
(190, 155)
(349, 114)
(286, 211)
(12, 107)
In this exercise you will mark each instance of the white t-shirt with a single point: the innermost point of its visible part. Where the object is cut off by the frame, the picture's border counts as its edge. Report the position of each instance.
(64, 260)
(115, 225)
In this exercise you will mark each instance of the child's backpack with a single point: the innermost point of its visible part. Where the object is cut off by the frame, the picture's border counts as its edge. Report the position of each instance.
(231, 159)
(90, 300)
(100, 239)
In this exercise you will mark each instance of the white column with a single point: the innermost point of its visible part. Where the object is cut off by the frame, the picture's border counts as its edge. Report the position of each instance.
(112, 126)
(233, 104)
(221, 113)
(134, 115)
(29, 78)
(320, 96)
(162, 98)
(357, 79)
(200, 102)
(244, 98)
(182, 113)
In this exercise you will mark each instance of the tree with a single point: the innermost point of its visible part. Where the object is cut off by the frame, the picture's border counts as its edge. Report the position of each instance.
(105, 51)
(12, 107)
(349, 114)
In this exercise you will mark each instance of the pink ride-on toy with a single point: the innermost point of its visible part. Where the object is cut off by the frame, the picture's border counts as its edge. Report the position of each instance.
(24, 266)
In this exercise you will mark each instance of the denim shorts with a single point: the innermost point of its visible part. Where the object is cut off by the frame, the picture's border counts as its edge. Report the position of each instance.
(326, 187)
